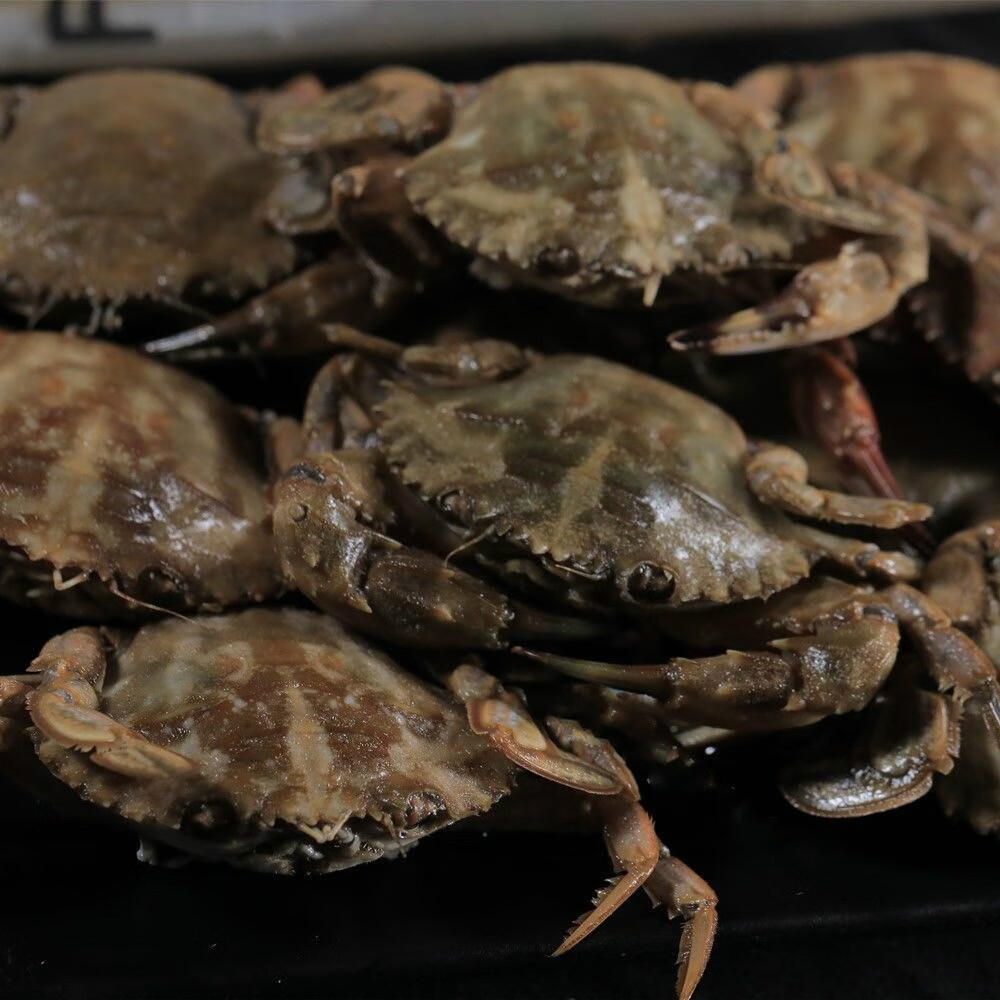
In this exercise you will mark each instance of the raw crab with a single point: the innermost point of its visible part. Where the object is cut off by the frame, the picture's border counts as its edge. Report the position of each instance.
(603, 181)
(964, 579)
(959, 475)
(125, 483)
(143, 185)
(932, 123)
(582, 483)
(276, 740)
(910, 734)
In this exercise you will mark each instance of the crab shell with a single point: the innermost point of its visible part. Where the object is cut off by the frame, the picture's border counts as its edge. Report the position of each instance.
(128, 476)
(578, 173)
(305, 747)
(138, 183)
(623, 486)
(929, 121)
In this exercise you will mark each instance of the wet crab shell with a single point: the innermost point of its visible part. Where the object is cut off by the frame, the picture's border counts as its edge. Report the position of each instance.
(311, 749)
(132, 474)
(580, 172)
(626, 486)
(128, 184)
(929, 121)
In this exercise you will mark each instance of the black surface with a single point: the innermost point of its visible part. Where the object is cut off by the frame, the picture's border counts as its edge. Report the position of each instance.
(902, 905)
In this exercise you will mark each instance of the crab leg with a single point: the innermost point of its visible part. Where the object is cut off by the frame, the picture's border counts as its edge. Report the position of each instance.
(580, 760)
(863, 558)
(981, 341)
(641, 861)
(64, 707)
(832, 407)
(957, 578)
(973, 786)
(370, 209)
(289, 318)
(837, 667)
(955, 662)
(779, 476)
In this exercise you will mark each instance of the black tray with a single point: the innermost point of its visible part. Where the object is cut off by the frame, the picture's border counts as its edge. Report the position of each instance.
(901, 905)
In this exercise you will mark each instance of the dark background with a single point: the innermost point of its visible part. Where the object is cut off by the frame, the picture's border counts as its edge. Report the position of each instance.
(901, 905)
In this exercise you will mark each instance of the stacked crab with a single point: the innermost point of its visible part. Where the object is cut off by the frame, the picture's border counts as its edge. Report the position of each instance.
(461, 505)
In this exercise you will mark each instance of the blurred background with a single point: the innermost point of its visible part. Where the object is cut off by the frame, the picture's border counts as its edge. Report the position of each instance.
(43, 36)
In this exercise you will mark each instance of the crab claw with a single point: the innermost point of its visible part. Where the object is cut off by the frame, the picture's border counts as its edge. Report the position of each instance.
(837, 296)
(953, 659)
(837, 667)
(64, 707)
(908, 737)
(501, 717)
(826, 300)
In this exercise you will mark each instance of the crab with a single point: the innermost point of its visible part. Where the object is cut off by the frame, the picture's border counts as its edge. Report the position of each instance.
(276, 740)
(126, 484)
(964, 579)
(612, 183)
(142, 186)
(580, 484)
(932, 123)
(912, 738)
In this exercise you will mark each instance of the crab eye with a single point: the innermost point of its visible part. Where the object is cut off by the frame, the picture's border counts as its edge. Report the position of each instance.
(455, 504)
(558, 261)
(649, 582)
(210, 818)
(805, 179)
(304, 471)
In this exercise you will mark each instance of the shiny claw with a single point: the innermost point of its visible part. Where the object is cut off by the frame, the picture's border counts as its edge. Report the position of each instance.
(502, 717)
(65, 709)
(779, 476)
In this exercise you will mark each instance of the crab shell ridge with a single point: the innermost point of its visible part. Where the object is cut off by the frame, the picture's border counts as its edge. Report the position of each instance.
(135, 472)
(312, 749)
(603, 472)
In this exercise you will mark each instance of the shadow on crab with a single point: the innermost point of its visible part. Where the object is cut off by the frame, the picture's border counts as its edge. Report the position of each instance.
(275, 740)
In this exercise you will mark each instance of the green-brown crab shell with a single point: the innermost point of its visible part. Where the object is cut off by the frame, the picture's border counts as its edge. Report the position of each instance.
(931, 122)
(595, 471)
(580, 172)
(133, 473)
(137, 183)
(312, 749)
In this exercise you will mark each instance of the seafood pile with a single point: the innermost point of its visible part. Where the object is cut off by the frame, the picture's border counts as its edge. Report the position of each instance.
(398, 445)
